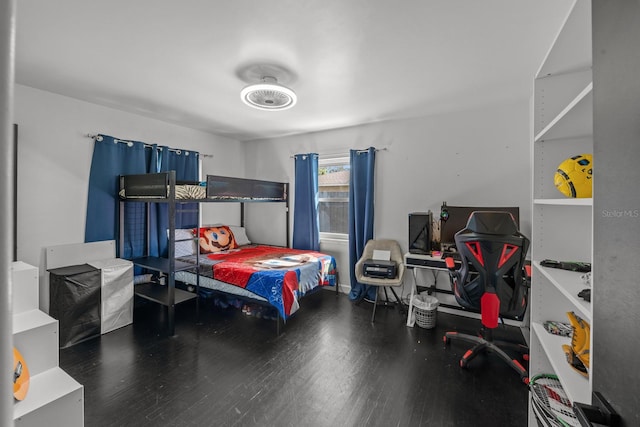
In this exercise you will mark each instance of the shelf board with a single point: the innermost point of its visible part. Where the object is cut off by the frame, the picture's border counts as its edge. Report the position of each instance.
(32, 319)
(575, 385)
(565, 202)
(161, 264)
(569, 283)
(580, 109)
(160, 294)
(46, 389)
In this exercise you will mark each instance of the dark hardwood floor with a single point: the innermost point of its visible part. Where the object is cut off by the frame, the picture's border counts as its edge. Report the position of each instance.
(330, 366)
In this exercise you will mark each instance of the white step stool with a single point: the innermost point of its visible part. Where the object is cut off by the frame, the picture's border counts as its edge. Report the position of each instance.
(54, 398)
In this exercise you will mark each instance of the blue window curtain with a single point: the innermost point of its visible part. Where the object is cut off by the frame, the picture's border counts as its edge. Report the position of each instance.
(185, 163)
(113, 157)
(361, 204)
(110, 159)
(306, 229)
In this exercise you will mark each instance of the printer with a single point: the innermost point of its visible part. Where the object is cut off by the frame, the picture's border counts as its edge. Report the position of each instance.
(379, 268)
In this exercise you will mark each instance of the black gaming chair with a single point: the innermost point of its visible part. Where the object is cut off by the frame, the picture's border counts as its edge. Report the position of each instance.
(493, 278)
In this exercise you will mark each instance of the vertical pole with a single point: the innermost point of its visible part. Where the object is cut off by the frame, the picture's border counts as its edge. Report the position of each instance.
(288, 216)
(15, 192)
(171, 279)
(7, 222)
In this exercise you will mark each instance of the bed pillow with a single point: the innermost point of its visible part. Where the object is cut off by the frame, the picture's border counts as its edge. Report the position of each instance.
(185, 244)
(216, 239)
(240, 234)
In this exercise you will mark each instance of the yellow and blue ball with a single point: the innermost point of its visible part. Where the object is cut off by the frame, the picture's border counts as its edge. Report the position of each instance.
(574, 176)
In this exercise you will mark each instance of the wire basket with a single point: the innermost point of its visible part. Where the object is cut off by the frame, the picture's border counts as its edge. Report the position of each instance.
(425, 310)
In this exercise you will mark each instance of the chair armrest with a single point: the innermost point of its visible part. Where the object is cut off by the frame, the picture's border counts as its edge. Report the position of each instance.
(450, 263)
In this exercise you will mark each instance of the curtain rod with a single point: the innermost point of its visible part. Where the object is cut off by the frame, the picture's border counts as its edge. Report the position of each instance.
(124, 141)
(343, 154)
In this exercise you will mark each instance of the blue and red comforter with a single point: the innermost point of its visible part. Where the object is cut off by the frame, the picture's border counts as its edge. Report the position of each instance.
(280, 275)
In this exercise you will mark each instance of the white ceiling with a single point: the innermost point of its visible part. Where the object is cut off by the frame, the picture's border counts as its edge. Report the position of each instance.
(349, 61)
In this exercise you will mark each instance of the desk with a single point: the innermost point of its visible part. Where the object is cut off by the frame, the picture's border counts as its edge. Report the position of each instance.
(414, 262)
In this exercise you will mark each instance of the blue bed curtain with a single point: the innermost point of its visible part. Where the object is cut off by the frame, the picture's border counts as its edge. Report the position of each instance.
(306, 228)
(361, 204)
(113, 157)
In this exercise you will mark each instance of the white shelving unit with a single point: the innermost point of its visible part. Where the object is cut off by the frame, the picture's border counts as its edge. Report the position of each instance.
(54, 398)
(562, 228)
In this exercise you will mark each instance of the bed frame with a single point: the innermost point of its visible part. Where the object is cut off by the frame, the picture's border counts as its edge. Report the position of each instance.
(163, 188)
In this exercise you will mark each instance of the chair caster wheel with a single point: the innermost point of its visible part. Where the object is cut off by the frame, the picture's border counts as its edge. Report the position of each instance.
(445, 340)
(463, 363)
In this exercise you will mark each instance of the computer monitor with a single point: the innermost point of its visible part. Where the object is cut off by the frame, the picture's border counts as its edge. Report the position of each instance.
(457, 217)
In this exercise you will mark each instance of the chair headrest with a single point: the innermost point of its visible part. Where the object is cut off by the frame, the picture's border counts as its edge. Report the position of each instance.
(492, 222)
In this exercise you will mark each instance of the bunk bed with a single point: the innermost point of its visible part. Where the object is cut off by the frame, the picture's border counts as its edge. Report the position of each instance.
(271, 275)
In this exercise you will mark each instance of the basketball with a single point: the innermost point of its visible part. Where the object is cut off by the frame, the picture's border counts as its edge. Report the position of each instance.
(574, 176)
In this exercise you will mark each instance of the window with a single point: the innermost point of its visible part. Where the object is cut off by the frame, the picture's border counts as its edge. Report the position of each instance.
(333, 197)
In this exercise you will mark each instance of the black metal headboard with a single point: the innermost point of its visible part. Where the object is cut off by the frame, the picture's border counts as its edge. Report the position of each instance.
(145, 185)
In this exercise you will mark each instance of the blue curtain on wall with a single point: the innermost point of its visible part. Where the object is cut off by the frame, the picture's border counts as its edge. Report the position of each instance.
(361, 193)
(110, 159)
(185, 163)
(113, 157)
(306, 229)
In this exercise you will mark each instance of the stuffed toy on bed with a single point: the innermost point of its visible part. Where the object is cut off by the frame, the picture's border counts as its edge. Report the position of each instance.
(216, 239)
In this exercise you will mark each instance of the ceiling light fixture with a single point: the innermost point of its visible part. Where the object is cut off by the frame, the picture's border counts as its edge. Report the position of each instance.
(268, 95)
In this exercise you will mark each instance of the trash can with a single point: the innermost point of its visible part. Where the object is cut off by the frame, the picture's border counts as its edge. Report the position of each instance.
(74, 300)
(425, 310)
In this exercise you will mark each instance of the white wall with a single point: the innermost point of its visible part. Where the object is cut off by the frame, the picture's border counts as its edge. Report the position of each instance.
(54, 159)
(477, 158)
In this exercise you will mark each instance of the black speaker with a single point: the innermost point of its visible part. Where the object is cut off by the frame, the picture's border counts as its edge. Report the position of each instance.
(420, 232)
